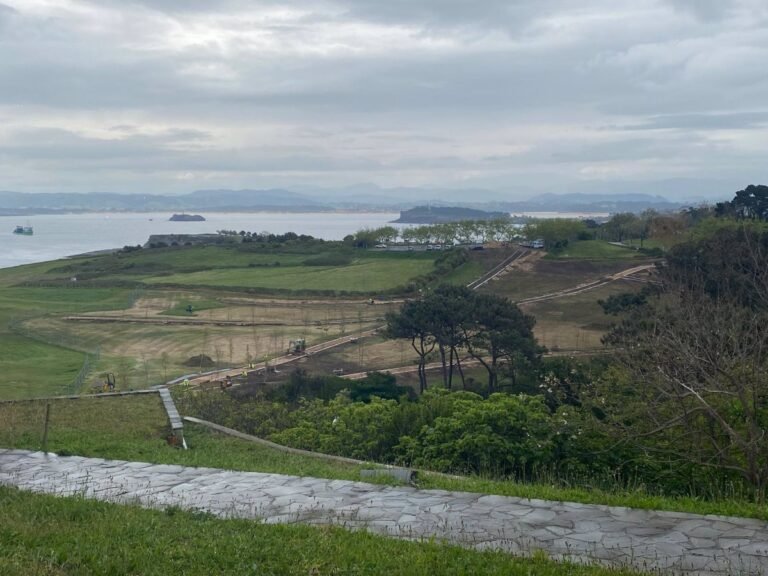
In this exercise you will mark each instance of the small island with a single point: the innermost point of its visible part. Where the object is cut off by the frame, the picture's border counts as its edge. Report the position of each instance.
(186, 218)
(438, 214)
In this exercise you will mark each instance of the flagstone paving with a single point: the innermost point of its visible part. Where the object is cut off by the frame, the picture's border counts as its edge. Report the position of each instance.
(674, 543)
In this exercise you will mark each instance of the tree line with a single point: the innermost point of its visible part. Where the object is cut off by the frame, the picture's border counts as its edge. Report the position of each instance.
(459, 322)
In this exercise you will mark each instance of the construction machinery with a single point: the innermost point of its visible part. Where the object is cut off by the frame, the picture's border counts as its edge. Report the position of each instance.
(297, 346)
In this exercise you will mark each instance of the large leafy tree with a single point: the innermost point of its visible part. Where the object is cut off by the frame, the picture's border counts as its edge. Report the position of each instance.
(556, 232)
(500, 335)
(415, 321)
(452, 308)
(750, 203)
(456, 320)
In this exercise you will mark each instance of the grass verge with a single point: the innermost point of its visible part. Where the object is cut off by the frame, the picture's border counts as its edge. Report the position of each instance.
(46, 535)
(135, 428)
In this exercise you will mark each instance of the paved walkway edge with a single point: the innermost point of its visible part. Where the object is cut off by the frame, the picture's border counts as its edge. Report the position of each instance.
(670, 542)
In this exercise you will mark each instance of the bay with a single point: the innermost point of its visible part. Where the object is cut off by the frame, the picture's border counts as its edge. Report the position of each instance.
(60, 235)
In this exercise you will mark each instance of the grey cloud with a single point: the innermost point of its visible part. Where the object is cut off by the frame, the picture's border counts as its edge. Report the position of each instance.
(509, 15)
(559, 76)
(704, 9)
(180, 6)
(635, 149)
(56, 143)
(6, 14)
(714, 121)
(158, 152)
(473, 82)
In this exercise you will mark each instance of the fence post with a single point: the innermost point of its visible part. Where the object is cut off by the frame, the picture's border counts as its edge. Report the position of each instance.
(45, 427)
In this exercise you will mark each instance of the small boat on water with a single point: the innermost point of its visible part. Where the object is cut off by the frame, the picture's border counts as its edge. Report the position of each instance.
(24, 230)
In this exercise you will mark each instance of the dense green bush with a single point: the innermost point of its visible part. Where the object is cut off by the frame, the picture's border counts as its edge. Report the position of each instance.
(302, 384)
(503, 435)
(355, 429)
(555, 436)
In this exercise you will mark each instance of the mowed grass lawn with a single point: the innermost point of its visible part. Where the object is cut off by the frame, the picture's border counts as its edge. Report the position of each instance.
(595, 250)
(30, 367)
(365, 275)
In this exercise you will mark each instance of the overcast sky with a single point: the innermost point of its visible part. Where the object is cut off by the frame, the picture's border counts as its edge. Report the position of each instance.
(511, 95)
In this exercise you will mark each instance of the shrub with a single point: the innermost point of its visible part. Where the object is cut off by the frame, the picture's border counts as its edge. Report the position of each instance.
(503, 435)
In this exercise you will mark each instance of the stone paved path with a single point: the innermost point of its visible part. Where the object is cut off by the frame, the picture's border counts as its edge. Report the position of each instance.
(669, 541)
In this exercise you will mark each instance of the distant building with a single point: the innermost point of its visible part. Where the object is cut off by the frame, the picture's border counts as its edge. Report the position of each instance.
(538, 243)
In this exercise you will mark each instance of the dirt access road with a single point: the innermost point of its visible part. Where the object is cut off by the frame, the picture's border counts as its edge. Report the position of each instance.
(634, 273)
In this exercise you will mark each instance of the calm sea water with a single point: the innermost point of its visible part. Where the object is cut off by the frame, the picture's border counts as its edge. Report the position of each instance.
(57, 236)
(61, 235)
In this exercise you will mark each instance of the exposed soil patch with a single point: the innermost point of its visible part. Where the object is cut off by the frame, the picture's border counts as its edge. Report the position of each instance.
(200, 360)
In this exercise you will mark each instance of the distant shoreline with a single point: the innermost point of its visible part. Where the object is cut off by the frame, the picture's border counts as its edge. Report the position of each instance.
(55, 212)
(8, 213)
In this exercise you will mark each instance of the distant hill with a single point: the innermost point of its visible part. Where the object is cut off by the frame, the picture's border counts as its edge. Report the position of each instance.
(437, 214)
(320, 199)
(251, 199)
(577, 202)
(22, 203)
(186, 218)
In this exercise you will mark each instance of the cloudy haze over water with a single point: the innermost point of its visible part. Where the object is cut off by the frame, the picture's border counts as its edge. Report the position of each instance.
(517, 96)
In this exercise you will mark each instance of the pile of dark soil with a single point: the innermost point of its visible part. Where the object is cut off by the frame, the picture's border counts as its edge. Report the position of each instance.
(200, 360)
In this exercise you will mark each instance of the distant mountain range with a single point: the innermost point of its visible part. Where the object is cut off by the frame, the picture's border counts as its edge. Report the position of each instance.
(212, 200)
(314, 200)
(438, 214)
(576, 202)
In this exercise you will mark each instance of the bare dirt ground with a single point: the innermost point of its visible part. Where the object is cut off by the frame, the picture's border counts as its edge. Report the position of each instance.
(575, 321)
(636, 273)
(537, 276)
(152, 346)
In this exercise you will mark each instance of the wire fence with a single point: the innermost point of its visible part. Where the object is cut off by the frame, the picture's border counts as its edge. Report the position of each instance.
(133, 296)
(90, 360)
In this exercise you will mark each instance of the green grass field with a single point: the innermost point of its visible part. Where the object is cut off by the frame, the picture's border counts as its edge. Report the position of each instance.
(198, 305)
(30, 364)
(136, 428)
(30, 368)
(45, 535)
(465, 273)
(298, 268)
(42, 356)
(364, 275)
(595, 250)
(186, 259)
